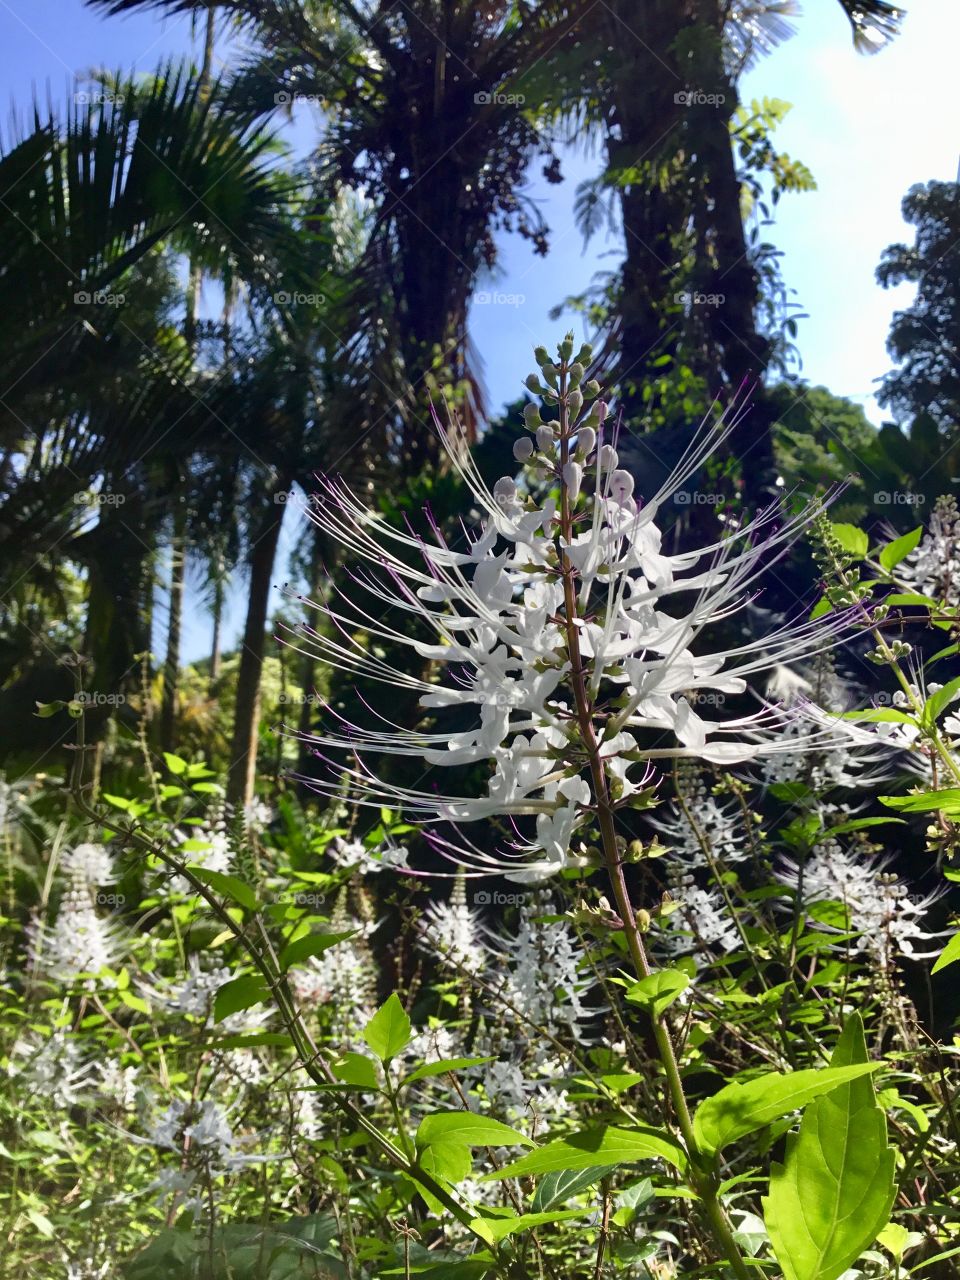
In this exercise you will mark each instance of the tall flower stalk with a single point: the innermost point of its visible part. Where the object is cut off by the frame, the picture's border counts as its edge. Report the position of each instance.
(584, 647)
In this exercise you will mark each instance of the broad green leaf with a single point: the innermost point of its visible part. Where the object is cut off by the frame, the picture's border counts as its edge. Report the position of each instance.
(740, 1109)
(311, 944)
(239, 994)
(388, 1031)
(835, 1189)
(442, 1068)
(657, 992)
(357, 1069)
(276, 1039)
(852, 539)
(879, 715)
(133, 1002)
(948, 800)
(949, 954)
(229, 886)
(494, 1230)
(911, 598)
(449, 1161)
(467, 1129)
(901, 547)
(592, 1147)
(858, 824)
(42, 1223)
(898, 1240)
(561, 1186)
(939, 701)
(174, 763)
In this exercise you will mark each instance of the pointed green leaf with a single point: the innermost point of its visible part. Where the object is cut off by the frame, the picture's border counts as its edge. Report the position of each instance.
(388, 1031)
(467, 1129)
(948, 800)
(443, 1068)
(311, 944)
(494, 1230)
(657, 992)
(357, 1069)
(949, 954)
(592, 1147)
(229, 886)
(852, 539)
(561, 1186)
(899, 548)
(740, 1109)
(834, 1191)
(174, 763)
(239, 994)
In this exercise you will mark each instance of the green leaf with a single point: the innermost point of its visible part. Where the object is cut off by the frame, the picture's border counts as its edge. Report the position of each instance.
(911, 598)
(240, 993)
(562, 1185)
(858, 824)
(657, 992)
(357, 1069)
(949, 954)
(740, 1109)
(853, 540)
(442, 1068)
(311, 944)
(835, 1189)
(948, 800)
(939, 701)
(174, 763)
(879, 715)
(494, 1230)
(901, 547)
(229, 886)
(468, 1129)
(133, 1002)
(42, 1223)
(388, 1031)
(592, 1147)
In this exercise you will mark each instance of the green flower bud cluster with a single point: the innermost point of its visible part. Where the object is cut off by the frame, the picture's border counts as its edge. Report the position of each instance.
(562, 378)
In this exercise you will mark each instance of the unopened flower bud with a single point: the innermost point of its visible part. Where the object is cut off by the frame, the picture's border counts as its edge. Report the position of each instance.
(505, 491)
(522, 448)
(541, 355)
(531, 417)
(590, 389)
(576, 374)
(600, 408)
(643, 921)
(609, 458)
(585, 354)
(532, 383)
(545, 437)
(566, 347)
(573, 478)
(586, 441)
(574, 403)
(621, 486)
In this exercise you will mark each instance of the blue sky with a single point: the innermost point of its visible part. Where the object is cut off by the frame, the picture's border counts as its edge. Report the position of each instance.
(867, 127)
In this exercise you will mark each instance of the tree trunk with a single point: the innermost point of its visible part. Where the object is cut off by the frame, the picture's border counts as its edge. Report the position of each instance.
(645, 122)
(246, 724)
(215, 644)
(171, 668)
(728, 271)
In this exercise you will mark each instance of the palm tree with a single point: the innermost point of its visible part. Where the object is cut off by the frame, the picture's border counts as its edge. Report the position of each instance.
(431, 110)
